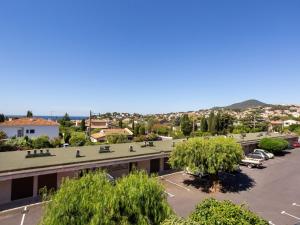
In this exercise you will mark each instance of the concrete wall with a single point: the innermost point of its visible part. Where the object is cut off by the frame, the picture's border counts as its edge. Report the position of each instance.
(5, 191)
(64, 175)
(50, 131)
(145, 165)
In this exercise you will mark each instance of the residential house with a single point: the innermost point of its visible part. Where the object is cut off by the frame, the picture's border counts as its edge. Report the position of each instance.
(103, 134)
(31, 127)
(98, 123)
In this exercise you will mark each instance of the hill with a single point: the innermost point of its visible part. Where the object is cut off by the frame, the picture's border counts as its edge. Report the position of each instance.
(251, 103)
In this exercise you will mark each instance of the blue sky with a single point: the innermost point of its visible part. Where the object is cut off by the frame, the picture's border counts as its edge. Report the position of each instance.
(146, 56)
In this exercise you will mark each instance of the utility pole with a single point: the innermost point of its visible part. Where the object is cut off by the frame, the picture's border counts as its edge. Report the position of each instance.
(90, 123)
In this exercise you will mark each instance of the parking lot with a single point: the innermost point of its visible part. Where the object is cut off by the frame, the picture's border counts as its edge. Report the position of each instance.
(272, 192)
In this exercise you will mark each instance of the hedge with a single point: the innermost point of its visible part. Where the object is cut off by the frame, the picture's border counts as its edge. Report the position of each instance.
(274, 145)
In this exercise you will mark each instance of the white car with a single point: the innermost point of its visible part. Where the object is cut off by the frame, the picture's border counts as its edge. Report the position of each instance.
(268, 155)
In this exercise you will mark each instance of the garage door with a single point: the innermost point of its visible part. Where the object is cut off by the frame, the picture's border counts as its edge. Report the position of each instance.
(49, 181)
(22, 188)
(154, 165)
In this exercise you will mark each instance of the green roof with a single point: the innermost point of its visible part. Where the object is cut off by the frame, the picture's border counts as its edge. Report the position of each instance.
(16, 160)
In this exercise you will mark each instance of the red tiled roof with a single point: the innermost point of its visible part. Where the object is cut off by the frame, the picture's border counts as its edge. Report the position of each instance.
(29, 122)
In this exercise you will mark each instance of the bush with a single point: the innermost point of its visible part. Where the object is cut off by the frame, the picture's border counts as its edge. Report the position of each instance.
(212, 211)
(41, 142)
(135, 199)
(274, 145)
(55, 142)
(77, 139)
(118, 138)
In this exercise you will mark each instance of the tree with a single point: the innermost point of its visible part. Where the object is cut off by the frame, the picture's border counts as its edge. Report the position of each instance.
(29, 114)
(204, 125)
(212, 123)
(65, 121)
(117, 138)
(41, 142)
(274, 145)
(186, 125)
(82, 125)
(208, 156)
(142, 130)
(2, 118)
(121, 123)
(92, 199)
(211, 211)
(77, 139)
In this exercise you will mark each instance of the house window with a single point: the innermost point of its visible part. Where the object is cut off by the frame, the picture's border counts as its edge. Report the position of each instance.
(27, 131)
(32, 131)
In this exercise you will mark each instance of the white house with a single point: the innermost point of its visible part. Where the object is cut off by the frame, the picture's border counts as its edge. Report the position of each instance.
(31, 127)
(287, 123)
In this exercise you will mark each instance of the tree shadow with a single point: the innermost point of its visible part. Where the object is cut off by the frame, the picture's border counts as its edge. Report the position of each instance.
(283, 153)
(236, 182)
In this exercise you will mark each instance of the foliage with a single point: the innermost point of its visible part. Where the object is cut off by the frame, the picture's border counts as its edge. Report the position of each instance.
(2, 118)
(2, 135)
(211, 211)
(65, 121)
(186, 125)
(211, 123)
(160, 129)
(177, 134)
(135, 199)
(29, 114)
(203, 124)
(77, 139)
(19, 143)
(207, 155)
(142, 130)
(55, 142)
(148, 137)
(82, 125)
(117, 138)
(41, 142)
(275, 145)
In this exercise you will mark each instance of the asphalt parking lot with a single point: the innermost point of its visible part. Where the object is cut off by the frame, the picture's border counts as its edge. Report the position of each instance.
(272, 192)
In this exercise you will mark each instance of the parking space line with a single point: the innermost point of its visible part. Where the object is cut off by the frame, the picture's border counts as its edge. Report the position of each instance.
(178, 185)
(167, 175)
(295, 204)
(23, 216)
(285, 213)
(169, 194)
(271, 223)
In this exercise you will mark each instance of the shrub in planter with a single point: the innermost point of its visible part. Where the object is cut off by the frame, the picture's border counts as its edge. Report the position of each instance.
(274, 145)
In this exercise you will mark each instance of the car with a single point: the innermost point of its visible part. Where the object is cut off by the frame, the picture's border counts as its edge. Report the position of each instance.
(252, 162)
(296, 144)
(257, 155)
(267, 154)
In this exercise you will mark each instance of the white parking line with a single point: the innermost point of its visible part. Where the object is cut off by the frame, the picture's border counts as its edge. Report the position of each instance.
(295, 204)
(167, 175)
(23, 216)
(178, 185)
(169, 194)
(271, 223)
(285, 213)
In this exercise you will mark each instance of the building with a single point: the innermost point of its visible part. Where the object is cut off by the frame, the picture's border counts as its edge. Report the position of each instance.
(98, 123)
(23, 173)
(103, 134)
(288, 123)
(31, 127)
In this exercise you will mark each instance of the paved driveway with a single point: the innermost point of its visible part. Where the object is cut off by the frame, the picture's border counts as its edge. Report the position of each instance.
(273, 192)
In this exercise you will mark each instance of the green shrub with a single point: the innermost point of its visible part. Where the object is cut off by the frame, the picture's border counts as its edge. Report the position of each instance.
(77, 139)
(117, 138)
(41, 142)
(135, 199)
(274, 145)
(211, 211)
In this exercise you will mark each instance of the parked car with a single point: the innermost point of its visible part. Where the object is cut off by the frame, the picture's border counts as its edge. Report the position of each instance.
(296, 144)
(256, 156)
(267, 154)
(195, 173)
(252, 162)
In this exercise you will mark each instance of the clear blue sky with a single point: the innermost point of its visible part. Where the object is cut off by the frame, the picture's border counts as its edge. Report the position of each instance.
(146, 56)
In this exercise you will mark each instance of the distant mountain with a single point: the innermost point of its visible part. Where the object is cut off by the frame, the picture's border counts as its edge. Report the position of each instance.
(251, 103)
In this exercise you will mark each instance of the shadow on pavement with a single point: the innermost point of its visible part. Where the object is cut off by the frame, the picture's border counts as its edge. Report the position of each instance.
(229, 182)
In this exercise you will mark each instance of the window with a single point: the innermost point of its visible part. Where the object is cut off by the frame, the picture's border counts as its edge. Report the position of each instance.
(27, 131)
(32, 131)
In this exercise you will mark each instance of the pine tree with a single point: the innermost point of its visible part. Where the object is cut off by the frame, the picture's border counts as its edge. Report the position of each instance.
(204, 125)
